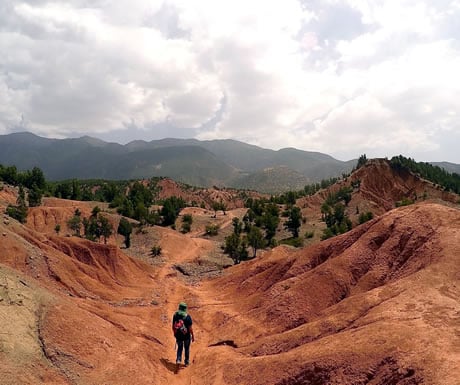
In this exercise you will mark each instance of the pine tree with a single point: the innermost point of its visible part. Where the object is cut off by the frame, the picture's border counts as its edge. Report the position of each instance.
(125, 228)
(294, 221)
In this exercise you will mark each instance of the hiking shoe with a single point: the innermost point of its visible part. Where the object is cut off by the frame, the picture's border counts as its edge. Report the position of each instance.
(187, 364)
(177, 362)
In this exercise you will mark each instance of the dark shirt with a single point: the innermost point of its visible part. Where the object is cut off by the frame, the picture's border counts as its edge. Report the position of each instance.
(188, 324)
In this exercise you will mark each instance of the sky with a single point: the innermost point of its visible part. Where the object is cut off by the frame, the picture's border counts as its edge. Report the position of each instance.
(342, 77)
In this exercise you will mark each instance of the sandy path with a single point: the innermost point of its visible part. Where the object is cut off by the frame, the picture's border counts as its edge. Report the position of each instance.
(176, 290)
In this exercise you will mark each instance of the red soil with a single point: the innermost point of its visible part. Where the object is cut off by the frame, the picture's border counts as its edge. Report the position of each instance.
(381, 187)
(230, 197)
(378, 305)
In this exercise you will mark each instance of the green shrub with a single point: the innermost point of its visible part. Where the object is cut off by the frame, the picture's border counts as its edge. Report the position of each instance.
(186, 227)
(17, 212)
(187, 218)
(155, 251)
(212, 230)
(364, 217)
(404, 202)
(295, 242)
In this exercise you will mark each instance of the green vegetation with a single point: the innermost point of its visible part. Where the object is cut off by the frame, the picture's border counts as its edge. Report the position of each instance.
(217, 206)
(364, 217)
(33, 181)
(12, 176)
(264, 215)
(125, 228)
(19, 212)
(155, 251)
(255, 239)
(435, 174)
(404, 202)
(171, 209)
(294, 221)
(187, 221)
(35, 196)
(75, 223)
(290, 197)
(362, 160)
(294, 242)
(235, 245)
(333, 213)
(212, 230)
(97, 226)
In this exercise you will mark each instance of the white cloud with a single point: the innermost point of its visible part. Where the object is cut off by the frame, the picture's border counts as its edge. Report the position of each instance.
(338, 76)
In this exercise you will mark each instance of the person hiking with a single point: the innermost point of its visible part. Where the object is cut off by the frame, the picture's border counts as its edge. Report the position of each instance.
(183, 331)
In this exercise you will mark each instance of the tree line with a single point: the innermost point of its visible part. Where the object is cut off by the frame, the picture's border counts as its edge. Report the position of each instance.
(448, 181)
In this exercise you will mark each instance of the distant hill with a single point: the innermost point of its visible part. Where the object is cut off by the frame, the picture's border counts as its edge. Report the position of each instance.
(202, 163)
(449, 167)
(273, 180)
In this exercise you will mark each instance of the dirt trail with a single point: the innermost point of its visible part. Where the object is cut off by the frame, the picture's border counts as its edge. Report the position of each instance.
(176, 290)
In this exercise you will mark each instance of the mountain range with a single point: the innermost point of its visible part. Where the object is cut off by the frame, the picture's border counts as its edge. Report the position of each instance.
(208, 163)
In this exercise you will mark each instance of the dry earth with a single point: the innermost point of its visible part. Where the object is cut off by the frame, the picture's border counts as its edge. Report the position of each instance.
(378, 305)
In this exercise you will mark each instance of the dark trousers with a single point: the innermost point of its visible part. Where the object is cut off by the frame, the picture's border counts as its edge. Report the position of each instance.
(181, 344)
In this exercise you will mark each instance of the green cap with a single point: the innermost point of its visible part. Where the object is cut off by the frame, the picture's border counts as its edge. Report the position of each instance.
(182, 306)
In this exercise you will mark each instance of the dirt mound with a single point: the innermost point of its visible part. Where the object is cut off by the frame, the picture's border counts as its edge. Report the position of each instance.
(376, 306)
(204, 196)
(8, 195)
(383, 185)
(376, 188)
(55, 211)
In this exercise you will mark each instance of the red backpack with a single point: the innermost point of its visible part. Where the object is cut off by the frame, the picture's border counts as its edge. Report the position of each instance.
(179, 326)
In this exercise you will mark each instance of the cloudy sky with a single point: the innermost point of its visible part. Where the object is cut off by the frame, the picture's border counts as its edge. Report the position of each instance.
(344, 77)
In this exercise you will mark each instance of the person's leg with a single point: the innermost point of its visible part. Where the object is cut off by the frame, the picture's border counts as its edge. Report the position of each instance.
(180, 346)
(187, 351)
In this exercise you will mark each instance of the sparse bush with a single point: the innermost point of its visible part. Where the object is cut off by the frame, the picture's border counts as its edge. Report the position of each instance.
(294, 221)
(35, 196)
(327, 233)
(364, 217)
(295, 242)
(236, 247)
(186, 227)
(404, 202)
(155, 251)
(170, 210)
(125, 228)
(75, 223)
(187, 221)
(212, 230)
(187, 218)
(309, 234)
(17, 212)
(362, 160)
(97, 226)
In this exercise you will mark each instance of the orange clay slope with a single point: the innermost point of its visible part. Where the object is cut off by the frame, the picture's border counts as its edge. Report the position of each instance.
(378, 305)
